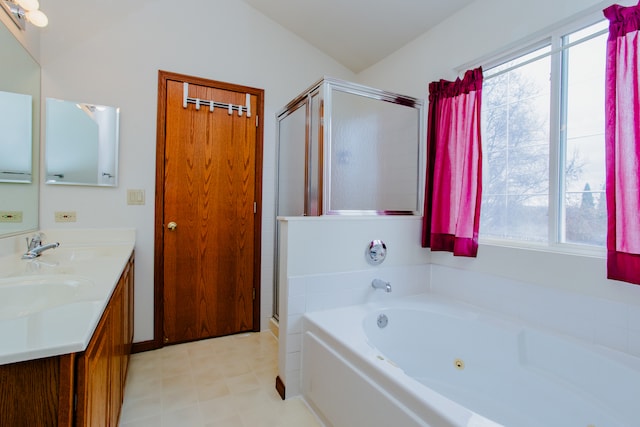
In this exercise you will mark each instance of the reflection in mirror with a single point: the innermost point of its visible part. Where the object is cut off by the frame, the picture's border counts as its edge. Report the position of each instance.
(82, 143)
(15, 139)
(19, 74)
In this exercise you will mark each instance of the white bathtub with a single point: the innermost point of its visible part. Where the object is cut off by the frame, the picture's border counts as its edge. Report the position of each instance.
(441, 363)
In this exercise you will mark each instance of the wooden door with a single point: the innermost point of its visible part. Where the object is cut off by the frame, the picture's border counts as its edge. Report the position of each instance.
(210, 229)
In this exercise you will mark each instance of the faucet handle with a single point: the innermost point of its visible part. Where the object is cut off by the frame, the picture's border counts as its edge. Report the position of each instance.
(36, 240)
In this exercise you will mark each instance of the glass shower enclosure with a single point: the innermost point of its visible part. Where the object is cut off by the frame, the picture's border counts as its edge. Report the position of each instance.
(348, 149)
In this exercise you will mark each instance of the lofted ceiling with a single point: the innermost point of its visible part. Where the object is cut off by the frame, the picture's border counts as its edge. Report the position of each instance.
(358, 33)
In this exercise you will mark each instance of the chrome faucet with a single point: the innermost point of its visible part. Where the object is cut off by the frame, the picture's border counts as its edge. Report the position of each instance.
(35, 246)
(381, 284)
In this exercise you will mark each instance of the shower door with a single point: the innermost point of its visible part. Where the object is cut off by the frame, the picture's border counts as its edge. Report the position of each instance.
(299, 168)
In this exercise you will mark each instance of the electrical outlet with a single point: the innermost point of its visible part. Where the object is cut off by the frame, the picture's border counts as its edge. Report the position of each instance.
(10, 216)
(65, 216)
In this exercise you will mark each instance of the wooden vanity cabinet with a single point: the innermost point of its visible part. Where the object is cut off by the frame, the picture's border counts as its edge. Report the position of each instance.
(77, 389)
(37, 392)
(102, 367)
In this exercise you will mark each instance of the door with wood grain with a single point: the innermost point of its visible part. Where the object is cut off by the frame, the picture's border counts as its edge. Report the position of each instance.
(210, 173)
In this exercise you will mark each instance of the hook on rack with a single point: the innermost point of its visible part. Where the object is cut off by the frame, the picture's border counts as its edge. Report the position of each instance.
(186, 100)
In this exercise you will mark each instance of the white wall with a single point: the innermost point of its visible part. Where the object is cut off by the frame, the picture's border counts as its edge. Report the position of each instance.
(482, 29)
(485, 27)
(116, 63)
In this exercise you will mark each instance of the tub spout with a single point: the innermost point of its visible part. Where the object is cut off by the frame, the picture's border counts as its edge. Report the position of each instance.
(381, 284)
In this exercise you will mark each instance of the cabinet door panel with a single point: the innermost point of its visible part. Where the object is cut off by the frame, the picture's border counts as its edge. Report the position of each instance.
(97, 376)
(103, 366)
(117, 352)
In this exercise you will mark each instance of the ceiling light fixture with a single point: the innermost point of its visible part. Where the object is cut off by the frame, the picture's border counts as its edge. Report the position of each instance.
(28, 4)
(22, 11)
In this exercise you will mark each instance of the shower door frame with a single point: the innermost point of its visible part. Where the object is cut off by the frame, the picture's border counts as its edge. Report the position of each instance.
(322, 90)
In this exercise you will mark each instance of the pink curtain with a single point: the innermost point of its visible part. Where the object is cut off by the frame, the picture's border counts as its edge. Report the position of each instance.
(454, 170)
(622, 139)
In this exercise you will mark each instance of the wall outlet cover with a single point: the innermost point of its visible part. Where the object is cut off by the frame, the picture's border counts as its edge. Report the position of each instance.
(69, 216)
(10, 216)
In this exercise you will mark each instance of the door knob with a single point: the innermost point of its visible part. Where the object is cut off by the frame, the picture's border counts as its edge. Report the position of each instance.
(172, 226)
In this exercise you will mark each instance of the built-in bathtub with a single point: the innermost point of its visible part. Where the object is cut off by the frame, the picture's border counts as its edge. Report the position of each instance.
(431, 361)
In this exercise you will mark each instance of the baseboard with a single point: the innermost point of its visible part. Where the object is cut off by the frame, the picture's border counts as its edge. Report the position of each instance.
(139, 347)
(280, 388)
(274, 327)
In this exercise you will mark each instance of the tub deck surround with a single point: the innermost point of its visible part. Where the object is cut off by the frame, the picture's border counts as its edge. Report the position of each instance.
(91, 260)
(309, 293)
(440, 362)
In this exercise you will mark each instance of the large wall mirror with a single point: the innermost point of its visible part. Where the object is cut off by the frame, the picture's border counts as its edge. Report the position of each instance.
(19, 136)
(81, 143)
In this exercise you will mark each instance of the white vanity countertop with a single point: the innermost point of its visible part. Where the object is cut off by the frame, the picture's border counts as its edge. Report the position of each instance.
(35, 325)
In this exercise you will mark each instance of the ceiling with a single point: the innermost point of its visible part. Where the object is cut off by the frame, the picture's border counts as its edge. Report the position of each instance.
(358, 33)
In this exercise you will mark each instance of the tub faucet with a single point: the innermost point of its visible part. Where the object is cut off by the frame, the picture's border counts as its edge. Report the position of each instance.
(35, 246)
(381, 284)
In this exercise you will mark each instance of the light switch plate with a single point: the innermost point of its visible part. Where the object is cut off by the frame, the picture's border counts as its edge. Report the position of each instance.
(69, 216)
(135, 197)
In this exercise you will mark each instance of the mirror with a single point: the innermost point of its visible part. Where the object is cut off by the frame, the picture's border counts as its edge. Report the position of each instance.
(20, 85)
(16, 114)
(81, 143)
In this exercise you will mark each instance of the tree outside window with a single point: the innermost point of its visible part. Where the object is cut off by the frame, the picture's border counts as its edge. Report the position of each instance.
(519, 144)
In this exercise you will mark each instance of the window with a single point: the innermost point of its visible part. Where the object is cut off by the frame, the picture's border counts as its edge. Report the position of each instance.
(543, 142)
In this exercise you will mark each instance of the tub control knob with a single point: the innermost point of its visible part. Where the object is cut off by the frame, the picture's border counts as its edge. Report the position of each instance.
(376, 252)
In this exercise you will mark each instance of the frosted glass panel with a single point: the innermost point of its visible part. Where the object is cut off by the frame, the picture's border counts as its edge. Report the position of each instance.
(374, 155)
(72, 151)
(291, 162)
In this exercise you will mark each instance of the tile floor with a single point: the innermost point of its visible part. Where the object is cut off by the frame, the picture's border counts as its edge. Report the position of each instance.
(220, 382)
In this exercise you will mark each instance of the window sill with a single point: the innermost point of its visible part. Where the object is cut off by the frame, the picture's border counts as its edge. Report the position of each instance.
(559, 248)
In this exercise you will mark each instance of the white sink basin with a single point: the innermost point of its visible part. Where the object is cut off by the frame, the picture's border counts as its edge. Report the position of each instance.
(26, 295)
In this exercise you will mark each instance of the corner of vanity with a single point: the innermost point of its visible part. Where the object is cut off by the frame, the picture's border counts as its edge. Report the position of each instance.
(76, 378)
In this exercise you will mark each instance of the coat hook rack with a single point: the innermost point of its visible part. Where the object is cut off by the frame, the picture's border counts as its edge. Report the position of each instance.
(186, 100)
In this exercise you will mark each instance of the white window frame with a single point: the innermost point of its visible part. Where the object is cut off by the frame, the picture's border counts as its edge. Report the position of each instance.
(553, 38)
